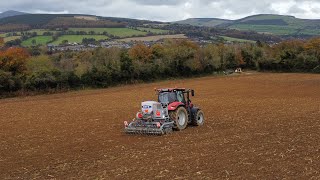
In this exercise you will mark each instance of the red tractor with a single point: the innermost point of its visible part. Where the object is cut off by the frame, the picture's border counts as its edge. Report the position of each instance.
(173, 111)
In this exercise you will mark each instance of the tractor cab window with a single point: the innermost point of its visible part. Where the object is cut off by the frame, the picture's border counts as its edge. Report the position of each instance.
(180, 96)
(167, 97)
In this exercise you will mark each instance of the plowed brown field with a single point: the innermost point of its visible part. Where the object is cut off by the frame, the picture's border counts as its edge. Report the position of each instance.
(259, 126)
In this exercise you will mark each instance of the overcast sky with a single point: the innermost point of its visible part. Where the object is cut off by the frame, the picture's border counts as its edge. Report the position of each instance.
(169, 10)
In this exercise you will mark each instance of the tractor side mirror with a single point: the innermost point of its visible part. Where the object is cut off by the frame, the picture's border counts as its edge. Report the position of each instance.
(192, 92)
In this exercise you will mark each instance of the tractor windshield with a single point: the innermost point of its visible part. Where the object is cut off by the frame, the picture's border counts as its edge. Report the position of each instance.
(167, 97)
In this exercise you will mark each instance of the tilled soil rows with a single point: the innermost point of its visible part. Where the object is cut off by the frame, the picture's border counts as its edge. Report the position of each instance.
(258, 126)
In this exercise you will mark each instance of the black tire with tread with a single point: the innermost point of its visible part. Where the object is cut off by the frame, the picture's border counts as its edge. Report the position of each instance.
(195, 121)
(174, 116)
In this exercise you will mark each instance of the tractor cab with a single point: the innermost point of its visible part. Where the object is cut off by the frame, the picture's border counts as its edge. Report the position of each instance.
(179, 96)
(171, 96)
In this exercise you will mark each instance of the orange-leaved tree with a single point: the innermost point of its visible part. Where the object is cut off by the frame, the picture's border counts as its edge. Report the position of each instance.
(14, 60)
(157, 51)
(239, 57)
(313, 46)
(140, 52)
(1, 41)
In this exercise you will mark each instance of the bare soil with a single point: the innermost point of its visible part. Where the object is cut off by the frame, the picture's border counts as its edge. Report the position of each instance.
(258, 126)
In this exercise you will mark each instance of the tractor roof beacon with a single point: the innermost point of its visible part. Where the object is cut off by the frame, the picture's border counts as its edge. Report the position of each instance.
(173, 111)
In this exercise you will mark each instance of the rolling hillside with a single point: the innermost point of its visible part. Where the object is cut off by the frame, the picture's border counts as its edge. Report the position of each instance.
(45, 21)
(209, 22)
(266, 28)
(286, 26)
(48, 21)
(41, 29)
(264, 23)
(278, 25)
(10, 13)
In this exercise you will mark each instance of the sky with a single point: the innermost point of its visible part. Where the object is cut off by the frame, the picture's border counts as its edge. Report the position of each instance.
(169, 10)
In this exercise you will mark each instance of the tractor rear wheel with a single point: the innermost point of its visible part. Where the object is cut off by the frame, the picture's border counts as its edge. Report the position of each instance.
(180, 118)
(199, 119)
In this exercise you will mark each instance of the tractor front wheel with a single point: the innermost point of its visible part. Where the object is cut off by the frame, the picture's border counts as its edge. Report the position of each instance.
(199, 119)
(180, 118)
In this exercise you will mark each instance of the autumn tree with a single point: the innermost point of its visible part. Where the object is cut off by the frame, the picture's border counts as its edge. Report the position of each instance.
(286, 54)
(181, 56)
(211, 57)
(288, 49)
(14, 60)
(39, 64)
(313, 46)
(157, 51)
(248, 56)
(1, 41)
(126, 67)
(239, 58)
(140, 52)
(221, 52)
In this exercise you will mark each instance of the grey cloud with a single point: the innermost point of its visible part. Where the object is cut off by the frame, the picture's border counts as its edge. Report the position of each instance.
(159, 2)
(296, 10)
(315, 10)
(248, 6)
(164, 10)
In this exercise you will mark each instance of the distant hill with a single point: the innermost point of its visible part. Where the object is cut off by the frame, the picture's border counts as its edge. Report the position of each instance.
(10, 13)
(278, 25)
(47, 21)
(265, 23)
(209, 22)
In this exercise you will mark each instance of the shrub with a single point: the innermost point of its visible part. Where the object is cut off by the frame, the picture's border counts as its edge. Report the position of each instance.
(316, 69)
(52, 80)
(44, 80)
(97, 78)
(9, 83)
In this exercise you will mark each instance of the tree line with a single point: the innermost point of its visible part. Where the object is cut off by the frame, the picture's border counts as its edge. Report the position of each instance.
(23, 70)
